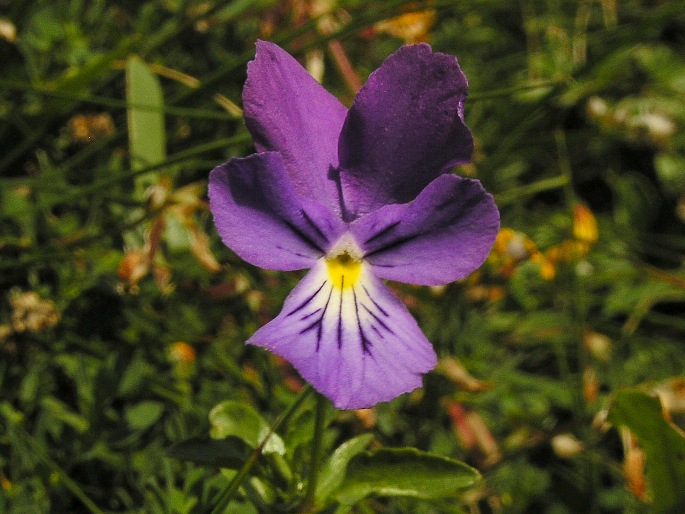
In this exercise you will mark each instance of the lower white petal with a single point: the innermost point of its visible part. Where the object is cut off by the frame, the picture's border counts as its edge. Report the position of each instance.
(349, 336)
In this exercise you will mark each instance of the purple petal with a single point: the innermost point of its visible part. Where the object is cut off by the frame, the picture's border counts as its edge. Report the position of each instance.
(287, 111)
(358, 344)
(405, 128)
(443, 235)
(260, 217)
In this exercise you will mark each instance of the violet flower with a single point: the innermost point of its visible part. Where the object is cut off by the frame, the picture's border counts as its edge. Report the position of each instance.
(358, 196)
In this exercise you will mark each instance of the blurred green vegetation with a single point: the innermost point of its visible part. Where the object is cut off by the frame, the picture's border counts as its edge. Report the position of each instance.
(123, 317)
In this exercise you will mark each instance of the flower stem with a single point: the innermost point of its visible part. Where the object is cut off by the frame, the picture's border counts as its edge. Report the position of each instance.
(238, 479)
(309, 502)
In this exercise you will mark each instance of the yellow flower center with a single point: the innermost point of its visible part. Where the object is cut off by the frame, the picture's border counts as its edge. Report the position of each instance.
(343, 270)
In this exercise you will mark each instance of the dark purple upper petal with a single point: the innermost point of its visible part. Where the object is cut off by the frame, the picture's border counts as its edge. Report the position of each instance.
(261, 218)
(405, 128)
(287, 111)
(443, 235)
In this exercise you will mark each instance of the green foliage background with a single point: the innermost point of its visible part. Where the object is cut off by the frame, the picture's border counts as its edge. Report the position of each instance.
(123, 317)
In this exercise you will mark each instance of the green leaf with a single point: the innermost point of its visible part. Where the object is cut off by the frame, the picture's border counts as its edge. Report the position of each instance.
(333, 472)
(232, 418)
(670, 168)
(137, 373)
(177, 237)
(77, 78)
(404, 472)
(664, 64)
(663, 443)
(11, 415)
(239, 7)
(146, 134)
(144, 414)
(300, 429)
(542, 326)
(15, 203)
(240, 508)
(61, 412)
(231, 452)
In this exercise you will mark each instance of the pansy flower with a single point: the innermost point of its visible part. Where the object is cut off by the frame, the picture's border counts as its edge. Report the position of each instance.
(356, 196)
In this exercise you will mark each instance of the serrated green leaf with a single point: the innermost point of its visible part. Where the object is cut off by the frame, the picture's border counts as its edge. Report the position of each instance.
(663, 443)
(231, 418)
(404, 472)
(333, 472)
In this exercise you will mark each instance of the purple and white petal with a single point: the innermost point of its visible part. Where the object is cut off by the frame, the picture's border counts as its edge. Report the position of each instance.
(356, 344)
(443, 235)
(260, 217)
(286, 110)
(405, 127)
